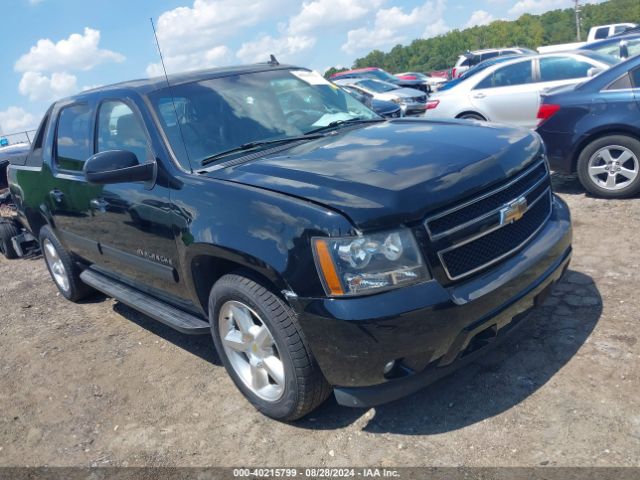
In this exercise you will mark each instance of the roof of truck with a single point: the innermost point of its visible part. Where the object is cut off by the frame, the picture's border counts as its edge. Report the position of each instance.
(146, 85)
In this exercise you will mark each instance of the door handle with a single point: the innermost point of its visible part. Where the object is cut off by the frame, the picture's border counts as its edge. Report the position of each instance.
(56, 195)
(99, 204)
(479, 95)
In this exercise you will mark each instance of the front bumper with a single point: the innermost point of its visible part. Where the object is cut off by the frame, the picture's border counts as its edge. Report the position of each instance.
(429, 330)
(414, 108)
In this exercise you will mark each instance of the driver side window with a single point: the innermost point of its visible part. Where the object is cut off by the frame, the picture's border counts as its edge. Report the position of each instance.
(511, 75)
(119, 128)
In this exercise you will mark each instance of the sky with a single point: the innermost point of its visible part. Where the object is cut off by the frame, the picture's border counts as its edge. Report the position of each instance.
(54, 48)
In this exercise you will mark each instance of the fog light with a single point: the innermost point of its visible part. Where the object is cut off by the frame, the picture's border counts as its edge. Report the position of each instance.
(389, 366)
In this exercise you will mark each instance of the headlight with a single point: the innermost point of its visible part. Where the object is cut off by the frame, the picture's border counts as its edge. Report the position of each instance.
(369, 263)
(397, 100)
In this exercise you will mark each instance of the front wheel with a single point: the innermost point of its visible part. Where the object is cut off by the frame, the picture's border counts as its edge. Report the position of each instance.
(610, 167)
(263, 349)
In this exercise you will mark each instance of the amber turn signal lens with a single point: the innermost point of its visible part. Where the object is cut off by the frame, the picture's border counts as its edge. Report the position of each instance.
(325, 262)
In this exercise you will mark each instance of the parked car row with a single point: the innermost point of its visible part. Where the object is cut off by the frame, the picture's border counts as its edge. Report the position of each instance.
(405, 81)
(411, 101)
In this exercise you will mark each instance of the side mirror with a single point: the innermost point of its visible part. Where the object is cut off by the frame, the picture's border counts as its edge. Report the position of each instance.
(593, 71)
(117, 166)
(624, 50)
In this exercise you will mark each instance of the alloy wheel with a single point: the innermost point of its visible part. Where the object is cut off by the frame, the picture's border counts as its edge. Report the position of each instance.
(58, 271)
(251, 350)
(613, 167)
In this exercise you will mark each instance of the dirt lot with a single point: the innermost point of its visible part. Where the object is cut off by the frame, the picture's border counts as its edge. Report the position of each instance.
(99, 384)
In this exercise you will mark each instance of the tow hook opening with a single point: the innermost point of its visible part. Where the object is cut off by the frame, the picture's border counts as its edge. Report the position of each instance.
(481, 339)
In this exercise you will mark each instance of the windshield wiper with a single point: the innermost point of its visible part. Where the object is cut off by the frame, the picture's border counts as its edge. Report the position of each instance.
(339, 123)
(256, 144)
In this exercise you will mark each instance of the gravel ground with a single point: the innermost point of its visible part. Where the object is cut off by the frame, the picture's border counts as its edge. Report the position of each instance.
(99, 384)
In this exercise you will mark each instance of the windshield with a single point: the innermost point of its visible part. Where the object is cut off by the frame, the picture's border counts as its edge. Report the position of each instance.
(600, 57)
(220, 114)
(377, 86)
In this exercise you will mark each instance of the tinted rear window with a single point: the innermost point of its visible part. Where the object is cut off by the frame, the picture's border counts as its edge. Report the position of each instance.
(602, 33)
(621, 83)
(635, 77)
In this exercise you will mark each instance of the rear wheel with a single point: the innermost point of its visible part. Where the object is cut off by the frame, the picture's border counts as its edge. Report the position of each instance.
(64, 272)
(263, 349)
(610, 167)
(7, 231)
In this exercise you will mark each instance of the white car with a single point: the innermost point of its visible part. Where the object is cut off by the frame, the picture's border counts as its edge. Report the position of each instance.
(411, 101)
(600, 32)
(509, 92)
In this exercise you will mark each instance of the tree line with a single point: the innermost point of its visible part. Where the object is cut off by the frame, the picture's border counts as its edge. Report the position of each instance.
(532, 31)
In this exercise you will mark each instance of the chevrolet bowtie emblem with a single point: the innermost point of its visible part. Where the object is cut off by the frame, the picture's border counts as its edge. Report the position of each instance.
(513, 211)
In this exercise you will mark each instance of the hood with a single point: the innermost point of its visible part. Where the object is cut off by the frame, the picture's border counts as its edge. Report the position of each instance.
(395, 172)
(407, 93)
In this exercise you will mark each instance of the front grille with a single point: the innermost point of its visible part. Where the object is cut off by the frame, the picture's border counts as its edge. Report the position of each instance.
(472, 236)
(488, 249)
(478, 207)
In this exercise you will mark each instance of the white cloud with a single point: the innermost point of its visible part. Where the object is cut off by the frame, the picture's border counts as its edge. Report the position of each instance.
(78, 52)
(392, 24)
(478, 18)
(283, 48)
(439, 27)
(16, 119)
(196, 36)
(40, 87)
(190, 61)
(535, 7)
(326, 13)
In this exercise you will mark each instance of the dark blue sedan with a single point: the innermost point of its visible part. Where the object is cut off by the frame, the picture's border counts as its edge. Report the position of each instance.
(621, 47)
(594, 129)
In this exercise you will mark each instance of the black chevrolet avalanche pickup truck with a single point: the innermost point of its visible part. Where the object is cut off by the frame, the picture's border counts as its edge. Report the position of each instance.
(324, 248)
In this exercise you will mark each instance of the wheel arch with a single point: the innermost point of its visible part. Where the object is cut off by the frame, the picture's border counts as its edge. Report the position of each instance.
(472, 112)
(597, 135)
(36, 219)
(206, 264)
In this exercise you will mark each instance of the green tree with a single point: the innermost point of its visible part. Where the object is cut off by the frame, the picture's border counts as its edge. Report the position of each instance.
(532, 31)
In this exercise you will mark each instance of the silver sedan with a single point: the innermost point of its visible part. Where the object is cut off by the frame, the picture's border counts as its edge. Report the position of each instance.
(509, 92)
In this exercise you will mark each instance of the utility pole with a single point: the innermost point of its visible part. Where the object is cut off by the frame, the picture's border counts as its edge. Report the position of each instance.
(577, 8)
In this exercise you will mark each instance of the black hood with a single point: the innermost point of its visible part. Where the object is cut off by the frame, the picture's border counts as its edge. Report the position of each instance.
(395, 172)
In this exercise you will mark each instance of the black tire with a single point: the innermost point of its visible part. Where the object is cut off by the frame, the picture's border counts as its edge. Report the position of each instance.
(305, 386)
(7, 231)
(77, 289)
(590, 153)
(472, 116)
